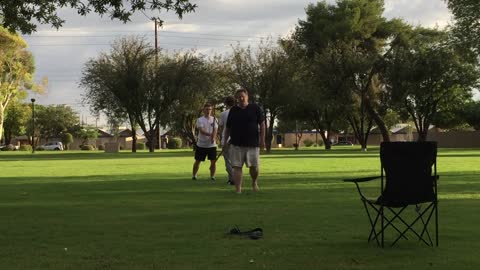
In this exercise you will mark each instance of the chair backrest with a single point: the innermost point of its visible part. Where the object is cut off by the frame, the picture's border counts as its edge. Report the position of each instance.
(408, 172)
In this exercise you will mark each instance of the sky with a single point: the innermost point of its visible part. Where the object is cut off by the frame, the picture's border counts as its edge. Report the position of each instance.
(215, 25)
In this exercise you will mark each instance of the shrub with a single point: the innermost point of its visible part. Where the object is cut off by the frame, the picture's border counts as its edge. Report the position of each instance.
(87, 147)
(39, 148)
(308, 142)
(101, 147)
(141, 146)
(25, 147)
(8, 147)
(67, 139)
(174, 143)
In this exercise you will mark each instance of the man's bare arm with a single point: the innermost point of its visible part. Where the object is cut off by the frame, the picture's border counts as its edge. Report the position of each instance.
(262, 135)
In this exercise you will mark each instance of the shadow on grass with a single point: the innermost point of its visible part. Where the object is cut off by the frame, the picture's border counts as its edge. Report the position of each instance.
(14, 156)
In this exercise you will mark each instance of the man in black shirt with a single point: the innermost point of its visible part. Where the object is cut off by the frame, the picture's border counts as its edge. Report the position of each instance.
(246, 128)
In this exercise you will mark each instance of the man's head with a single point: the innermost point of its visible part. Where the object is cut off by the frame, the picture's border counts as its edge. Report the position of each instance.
(207, 109)
(229, 101)
(241, 95)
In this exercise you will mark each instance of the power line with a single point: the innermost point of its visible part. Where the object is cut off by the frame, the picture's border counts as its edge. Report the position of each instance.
(169, 36)
(164, 31)
(109, 44)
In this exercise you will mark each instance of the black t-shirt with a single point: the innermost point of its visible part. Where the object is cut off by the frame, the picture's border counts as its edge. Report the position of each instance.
(244, 125)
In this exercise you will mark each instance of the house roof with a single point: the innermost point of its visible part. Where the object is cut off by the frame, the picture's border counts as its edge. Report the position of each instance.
(125, 133)
(104, 134)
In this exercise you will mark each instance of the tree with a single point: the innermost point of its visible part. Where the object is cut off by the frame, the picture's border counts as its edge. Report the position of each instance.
(471, 114)
(426, 77)
(356, 34)
(288, 122)
(86, 134)
(467, 22)
(16, 70)
(20, 15)
(320, 95)
(17, 118)
(53, 120)
(190, 81)
(133, 80)
(117, 82)
(267, 75)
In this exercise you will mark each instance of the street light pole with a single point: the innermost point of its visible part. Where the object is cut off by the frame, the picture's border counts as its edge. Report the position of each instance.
(33, 125)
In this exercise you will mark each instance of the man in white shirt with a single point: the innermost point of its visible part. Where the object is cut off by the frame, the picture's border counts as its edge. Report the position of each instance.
(206, 146)
(228, 102)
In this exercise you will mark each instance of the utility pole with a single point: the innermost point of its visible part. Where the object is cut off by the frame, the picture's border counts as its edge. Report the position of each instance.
(156, 40)
(157, 131)
(33, 125)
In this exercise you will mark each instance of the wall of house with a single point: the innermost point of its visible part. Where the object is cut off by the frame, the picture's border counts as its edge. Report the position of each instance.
(289, 139)
(456, 139)
(451, 139)
(376, 139)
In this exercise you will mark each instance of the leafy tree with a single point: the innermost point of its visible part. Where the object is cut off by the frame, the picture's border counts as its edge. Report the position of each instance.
(189, 81)
(470, 112)
(87, 133)
(352, 35)
(266, 74)
(146, 87)
(427, 77)
(467, 22)
(319, 93)
(116, 82)
(17, 118)
(21, 15)
(16, 70)
(53, 120)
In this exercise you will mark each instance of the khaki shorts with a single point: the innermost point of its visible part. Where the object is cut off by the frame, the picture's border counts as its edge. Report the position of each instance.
(240, 155)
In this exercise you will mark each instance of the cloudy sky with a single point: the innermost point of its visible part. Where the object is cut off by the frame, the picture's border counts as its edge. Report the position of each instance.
(216, 24)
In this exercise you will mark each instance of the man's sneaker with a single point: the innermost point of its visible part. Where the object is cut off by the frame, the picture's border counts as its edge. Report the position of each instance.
(194, 178)
(212, 178)
(230, 182)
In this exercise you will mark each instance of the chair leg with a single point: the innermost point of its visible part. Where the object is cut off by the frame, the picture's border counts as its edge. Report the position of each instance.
(373, 224)
(390, 222)
(425, 224)
(383, 228)
(409, 226)
(436, 222)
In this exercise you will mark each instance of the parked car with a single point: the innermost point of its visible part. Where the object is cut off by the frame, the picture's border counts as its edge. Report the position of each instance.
(15, 147)
(347, 143)
(53, 146)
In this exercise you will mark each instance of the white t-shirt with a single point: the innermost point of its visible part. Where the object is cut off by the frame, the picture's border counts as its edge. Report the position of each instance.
(222, 121)
(208, 125)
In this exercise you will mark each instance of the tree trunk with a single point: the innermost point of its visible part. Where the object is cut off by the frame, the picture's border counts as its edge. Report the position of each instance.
(379, 121)
(151, 140)
(134, 140)
(423, 133)
(131, 118)
(2, 118)
(326, 140)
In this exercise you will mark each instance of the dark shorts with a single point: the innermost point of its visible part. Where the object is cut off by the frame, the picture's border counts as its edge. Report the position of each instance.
(201, 153)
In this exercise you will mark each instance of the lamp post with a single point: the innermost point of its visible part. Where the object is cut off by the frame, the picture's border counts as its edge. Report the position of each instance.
(33, 125)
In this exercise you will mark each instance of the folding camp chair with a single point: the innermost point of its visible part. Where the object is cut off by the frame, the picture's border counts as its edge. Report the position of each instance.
(406, 180)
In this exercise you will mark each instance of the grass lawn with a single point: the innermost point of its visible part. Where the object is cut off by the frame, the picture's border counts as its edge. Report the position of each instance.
(92, 210)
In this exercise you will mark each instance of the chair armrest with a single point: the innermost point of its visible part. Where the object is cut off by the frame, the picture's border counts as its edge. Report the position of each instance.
(361, 179)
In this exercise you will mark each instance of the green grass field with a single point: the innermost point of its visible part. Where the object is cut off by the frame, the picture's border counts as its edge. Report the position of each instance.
(92, 210)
